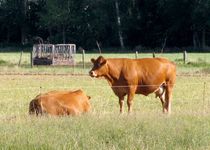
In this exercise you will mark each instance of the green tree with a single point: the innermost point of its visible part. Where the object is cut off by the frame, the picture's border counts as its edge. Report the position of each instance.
(57, 14)
(200, 22)
(14, 20)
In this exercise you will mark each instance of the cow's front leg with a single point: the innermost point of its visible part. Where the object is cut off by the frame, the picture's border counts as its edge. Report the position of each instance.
(121, 102)
(130, 97)
(130, 102)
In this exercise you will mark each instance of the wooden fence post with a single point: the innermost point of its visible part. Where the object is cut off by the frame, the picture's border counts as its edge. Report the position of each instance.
(136, 55)
(20, 58)
(185, 57)
(204, 96)
(32, 63)
(83, 58)
(153, 54)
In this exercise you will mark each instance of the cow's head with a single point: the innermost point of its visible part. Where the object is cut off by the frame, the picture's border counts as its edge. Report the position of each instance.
(34, 108)
(99, 67)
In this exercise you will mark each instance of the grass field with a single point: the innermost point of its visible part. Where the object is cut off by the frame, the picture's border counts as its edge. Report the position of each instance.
(188, 127)
(196, 63)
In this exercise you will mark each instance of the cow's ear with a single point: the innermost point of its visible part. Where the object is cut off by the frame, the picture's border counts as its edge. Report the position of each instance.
(89, 97)
(102, 60)
(93, 60)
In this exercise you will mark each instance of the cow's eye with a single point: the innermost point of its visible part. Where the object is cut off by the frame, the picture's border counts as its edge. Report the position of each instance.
(98, 65)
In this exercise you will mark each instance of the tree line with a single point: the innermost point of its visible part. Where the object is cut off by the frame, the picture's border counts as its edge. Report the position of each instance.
(107, 23)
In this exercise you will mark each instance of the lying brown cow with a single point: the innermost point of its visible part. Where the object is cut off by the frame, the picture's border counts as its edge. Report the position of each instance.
(140, 76)
(60, 103)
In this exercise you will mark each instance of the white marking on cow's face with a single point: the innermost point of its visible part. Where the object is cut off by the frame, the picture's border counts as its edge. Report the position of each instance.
(99, 67)
(93, 74)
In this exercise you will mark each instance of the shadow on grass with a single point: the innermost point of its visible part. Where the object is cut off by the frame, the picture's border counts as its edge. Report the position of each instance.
(199, 63)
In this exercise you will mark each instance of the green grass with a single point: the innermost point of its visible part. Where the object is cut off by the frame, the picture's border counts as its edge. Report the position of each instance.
(188, 127)
(106, 132)
(196, 63)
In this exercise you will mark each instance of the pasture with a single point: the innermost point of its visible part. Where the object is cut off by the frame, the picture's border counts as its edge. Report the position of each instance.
(188, 127)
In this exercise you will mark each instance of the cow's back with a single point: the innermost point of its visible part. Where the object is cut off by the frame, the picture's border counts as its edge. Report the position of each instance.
(148, 73)
(140, 69)
(63, 102)
(152, 72)
(77, 100)
(150, 68)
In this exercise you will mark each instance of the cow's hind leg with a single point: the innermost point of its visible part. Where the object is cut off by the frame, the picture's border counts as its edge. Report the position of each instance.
(168, 98)
(162, 99)
(161, 94)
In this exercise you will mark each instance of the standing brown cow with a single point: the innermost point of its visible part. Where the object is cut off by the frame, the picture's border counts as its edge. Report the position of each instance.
(137, 76)
(60, 103)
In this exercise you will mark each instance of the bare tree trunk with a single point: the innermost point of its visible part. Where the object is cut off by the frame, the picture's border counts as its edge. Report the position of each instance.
(164, 43)
(194, 40)
(99, 48)
(203, 38)
(50, 34)
(131, 7)
(8, 35)
(23, 25)
(119, 25)
(63, 34)
(23, 35)
(134, 3)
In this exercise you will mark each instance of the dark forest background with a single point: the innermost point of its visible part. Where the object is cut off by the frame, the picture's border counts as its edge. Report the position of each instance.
(124, 24)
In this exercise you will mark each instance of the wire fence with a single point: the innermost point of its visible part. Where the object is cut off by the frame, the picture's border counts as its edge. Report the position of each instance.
(82, 60)
(19, 85)
(189, 64)
(190, 94)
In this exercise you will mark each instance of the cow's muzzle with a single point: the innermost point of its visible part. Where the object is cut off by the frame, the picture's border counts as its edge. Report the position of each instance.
(92, 74)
